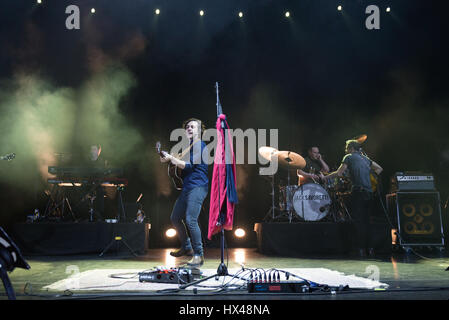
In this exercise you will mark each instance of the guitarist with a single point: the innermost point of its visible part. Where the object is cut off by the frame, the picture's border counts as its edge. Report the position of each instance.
(359, 167)
(187, 207)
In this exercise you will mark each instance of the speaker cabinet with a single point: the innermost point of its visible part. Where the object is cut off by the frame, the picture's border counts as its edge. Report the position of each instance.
(419, 218)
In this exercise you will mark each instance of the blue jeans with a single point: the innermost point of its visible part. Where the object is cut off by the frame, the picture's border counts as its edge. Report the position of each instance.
(185, 216)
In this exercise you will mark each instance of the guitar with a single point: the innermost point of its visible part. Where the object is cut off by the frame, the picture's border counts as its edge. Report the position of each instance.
(374, 179)
(8, 157)
(173, 171)
(373, 176)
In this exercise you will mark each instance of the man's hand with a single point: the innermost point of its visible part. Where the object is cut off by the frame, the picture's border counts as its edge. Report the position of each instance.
(324, 166)
(166, 157)
(177, 162)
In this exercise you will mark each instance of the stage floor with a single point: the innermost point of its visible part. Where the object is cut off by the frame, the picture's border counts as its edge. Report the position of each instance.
(409, 276)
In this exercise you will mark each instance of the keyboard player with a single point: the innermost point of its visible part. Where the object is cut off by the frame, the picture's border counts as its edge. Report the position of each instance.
(96, 161)
(95, 179)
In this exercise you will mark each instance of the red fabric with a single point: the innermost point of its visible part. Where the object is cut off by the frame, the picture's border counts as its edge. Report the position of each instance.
(218, 191)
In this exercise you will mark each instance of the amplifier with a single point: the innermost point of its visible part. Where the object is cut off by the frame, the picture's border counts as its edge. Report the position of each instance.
(419, 218)
(413, 181)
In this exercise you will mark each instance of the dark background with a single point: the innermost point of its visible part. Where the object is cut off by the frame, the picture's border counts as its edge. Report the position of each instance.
(319, 77)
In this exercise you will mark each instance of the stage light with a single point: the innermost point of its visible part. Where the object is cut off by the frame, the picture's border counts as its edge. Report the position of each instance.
(157, 11)
(388, 9)
(201, 13)
(92, 10)
(39, 1)
(339, 8)
(170, 233)
(239, 233)
(287, 14)
(241, 14)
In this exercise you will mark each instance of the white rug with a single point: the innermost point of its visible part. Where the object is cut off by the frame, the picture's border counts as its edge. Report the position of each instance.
(128, 280)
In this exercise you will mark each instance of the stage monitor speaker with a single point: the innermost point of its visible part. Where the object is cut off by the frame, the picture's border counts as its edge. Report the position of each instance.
(419, 218)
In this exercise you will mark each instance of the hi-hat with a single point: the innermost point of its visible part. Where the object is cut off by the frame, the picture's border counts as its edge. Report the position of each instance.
(267, 152)
(291, 159)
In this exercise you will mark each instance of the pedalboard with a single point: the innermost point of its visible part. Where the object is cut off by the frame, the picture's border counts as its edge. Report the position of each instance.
(170, 275)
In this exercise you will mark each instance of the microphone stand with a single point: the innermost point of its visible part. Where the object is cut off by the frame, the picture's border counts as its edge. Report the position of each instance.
(222, 270)
(273, 207)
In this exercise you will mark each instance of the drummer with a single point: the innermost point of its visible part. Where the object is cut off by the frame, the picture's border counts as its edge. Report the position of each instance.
(314, 165)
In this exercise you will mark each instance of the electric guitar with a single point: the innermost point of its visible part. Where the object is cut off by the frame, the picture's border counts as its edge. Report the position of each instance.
(173, 171)
(374, 179)
(8, 157)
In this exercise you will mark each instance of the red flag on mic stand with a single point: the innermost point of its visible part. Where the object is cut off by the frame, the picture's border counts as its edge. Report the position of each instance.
(223, 195)
(223, 191)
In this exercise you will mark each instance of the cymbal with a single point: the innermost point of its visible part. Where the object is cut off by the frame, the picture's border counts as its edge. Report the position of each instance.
(267, 152)
(291, 159)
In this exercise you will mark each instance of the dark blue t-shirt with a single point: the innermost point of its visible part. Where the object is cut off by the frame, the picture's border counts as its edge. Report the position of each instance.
(195, 172)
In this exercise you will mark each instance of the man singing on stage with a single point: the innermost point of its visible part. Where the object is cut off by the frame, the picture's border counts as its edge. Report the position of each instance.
(359, 167)
(195, 188)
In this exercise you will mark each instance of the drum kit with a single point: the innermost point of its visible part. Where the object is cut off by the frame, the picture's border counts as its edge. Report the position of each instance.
(312, 201)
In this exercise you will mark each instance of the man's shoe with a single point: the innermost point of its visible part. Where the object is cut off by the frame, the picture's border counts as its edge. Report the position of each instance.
(196, 261)
(181, 252)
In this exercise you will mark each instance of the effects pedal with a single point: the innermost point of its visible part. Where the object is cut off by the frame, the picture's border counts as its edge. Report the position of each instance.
(169, 275)
(278, 287)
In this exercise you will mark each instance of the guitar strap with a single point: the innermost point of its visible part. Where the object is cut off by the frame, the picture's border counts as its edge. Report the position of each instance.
(181, 156)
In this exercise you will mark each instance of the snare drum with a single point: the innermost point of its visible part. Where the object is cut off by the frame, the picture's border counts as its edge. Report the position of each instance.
(311, 202)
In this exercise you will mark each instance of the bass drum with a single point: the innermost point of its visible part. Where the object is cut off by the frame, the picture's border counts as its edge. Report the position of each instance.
(311, 202)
